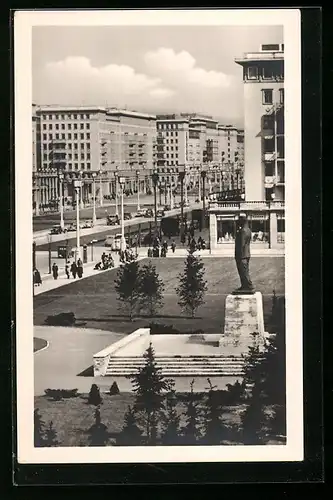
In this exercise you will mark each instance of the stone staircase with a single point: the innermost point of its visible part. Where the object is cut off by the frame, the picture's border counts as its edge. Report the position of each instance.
(180, 366)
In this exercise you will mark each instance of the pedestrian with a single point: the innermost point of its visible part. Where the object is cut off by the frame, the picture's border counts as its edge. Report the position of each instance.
(74, 269)
(79, 268)
(67, 269)
(165, 246)
(37, 277)
(55, 271)
(173, 246)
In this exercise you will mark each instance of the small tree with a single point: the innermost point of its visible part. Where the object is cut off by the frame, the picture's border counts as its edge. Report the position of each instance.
(51, 436)
(148, 386)
(127, 285)
(131, 434)
(94, 397)
(214, 428)
(253, 418)
(151, 289)
(192, 285)
(39, 429)
(171, 420)
(191, 430)
(98, 433)
(114, 389)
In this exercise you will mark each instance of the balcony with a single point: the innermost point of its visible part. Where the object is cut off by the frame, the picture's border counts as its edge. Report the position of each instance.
(271, 156)
(239, 206)
(270, 181)
(261, 56)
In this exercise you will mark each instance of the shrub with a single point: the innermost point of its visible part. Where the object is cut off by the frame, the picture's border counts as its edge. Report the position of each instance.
(114, 389)
(94, 397)
(58, 394)
(62, 319)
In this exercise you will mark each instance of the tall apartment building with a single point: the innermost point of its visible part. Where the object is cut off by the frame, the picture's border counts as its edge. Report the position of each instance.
(79, 141)
(263, 77)
(196, 141)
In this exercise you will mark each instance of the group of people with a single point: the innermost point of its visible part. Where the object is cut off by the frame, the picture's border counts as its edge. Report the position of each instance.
(74, 269)
(106, 262)
(126, 255)
(196, 245)
(160, 249)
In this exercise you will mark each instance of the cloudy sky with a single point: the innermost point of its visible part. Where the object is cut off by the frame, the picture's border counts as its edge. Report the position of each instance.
(152, 69)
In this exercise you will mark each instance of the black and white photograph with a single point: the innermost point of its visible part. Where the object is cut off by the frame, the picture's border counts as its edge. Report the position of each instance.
(158, 236)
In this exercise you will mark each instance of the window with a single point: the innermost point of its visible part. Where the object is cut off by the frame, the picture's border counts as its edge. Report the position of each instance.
(76, 156)
(70, 166)
(69, 156)
(75, 136)
(88, 145)
(88, 166)
(82, 145)
(69, 136)
(50, 126)
(45, 144)
(267, 96)
(57, 126)
(88, 156)
(87, 117)
(81, 126)
(69, 126)
(82, 136)
(82, 156)
(44, 137)
(57, 136)
(268, 122)
(63, 136)
(76, 166)
(82, 116)
(50, 137)
(252, 72)
(269, 169)
(63, 126)
(75, 117)
(45, 156)
(88, 136)
(75, 146)
(167, 134)
(82, 165)
(75, 126)
(88, 126)
(267, 72)
(281, 96)
(44, 126)
(45, 165)
(70, 145)
(171, 141)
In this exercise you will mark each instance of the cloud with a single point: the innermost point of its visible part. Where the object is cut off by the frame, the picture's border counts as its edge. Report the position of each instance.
(182, 67)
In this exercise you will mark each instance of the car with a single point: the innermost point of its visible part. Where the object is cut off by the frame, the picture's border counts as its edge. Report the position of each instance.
(127, 215)
(72, 227)
(160, 213)
(87, 224)
(113, 241)
(112, 220)
(149, 212)
(141, 213)
(167, 208)
(57, 230)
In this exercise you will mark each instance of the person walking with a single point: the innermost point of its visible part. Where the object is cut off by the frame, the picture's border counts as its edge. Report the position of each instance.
(173, 246)
(242, 255)
(55, 271)
(37, 277)
(74, 269)
(67, 269)
(79, 268)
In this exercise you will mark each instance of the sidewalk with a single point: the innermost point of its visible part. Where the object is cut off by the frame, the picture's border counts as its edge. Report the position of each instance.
(227, 252)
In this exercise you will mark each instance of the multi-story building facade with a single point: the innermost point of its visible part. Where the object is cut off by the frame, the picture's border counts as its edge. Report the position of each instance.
(263, 77)
(80, 141)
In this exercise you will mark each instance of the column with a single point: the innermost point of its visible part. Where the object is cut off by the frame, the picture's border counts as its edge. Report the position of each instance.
(273, 230)
(212, 231)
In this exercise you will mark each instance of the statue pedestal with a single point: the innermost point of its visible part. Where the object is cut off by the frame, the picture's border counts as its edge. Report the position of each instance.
(244, 316)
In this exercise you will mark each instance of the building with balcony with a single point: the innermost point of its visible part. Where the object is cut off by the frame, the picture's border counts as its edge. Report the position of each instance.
(79, 141)
(263, 77)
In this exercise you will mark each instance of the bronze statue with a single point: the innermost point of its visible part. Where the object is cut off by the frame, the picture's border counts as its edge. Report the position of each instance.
(242, 255)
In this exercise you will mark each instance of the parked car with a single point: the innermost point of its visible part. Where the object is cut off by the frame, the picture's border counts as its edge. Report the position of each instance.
(149, 212)
(167, 208)
(141, 213)
(113, 241)
(57, 230)
(112, 220)
(160, 213)
(87, 224)
(127, 215)
(72, 227)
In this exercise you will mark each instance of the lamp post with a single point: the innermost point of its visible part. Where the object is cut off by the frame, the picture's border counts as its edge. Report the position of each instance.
(155, 181)
(81, 189)
(138, 188)
(94, 197)
(100, 188)
(160, 194)
(181, 178)
(203, 177)
(116, 192)
(77, 187)
(165, 193)
(61, 201)
(122, 181)
(199, 184)
(49, 241)
(34, 255)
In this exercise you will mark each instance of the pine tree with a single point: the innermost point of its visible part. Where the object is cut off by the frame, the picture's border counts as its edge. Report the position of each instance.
(214, 428)
(131, 434)
(171, 421)
(39, 429)
(253, 418)
(94, 397)
(148, 386)
(98, 433)
(151, 289)
(192, 286)
(114, 389)
(191, 430)
(127, 286)
(51, 436)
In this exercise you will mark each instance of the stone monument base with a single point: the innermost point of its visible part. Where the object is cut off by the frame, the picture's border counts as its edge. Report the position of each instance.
(244, 316)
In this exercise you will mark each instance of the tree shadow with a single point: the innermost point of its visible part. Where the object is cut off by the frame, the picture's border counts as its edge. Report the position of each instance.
(88, 372)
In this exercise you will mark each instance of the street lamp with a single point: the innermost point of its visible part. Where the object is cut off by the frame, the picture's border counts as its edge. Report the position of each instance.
(94, 197)
(122, 181)
(155, 181)
(138, 188)
(61, 204)
(116, 191)
(81, 189)
(100, 188)
(203, 177)
(181, 173)
(77, 187)
(160, 194)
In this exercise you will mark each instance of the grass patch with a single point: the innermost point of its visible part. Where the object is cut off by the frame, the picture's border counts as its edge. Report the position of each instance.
(39, 344)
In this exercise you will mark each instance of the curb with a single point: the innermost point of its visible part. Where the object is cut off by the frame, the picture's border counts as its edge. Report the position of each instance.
(43, 348)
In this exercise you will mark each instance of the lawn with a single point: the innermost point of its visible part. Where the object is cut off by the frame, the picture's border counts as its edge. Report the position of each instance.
(39, 344)
(72, 430)
(94, 301)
